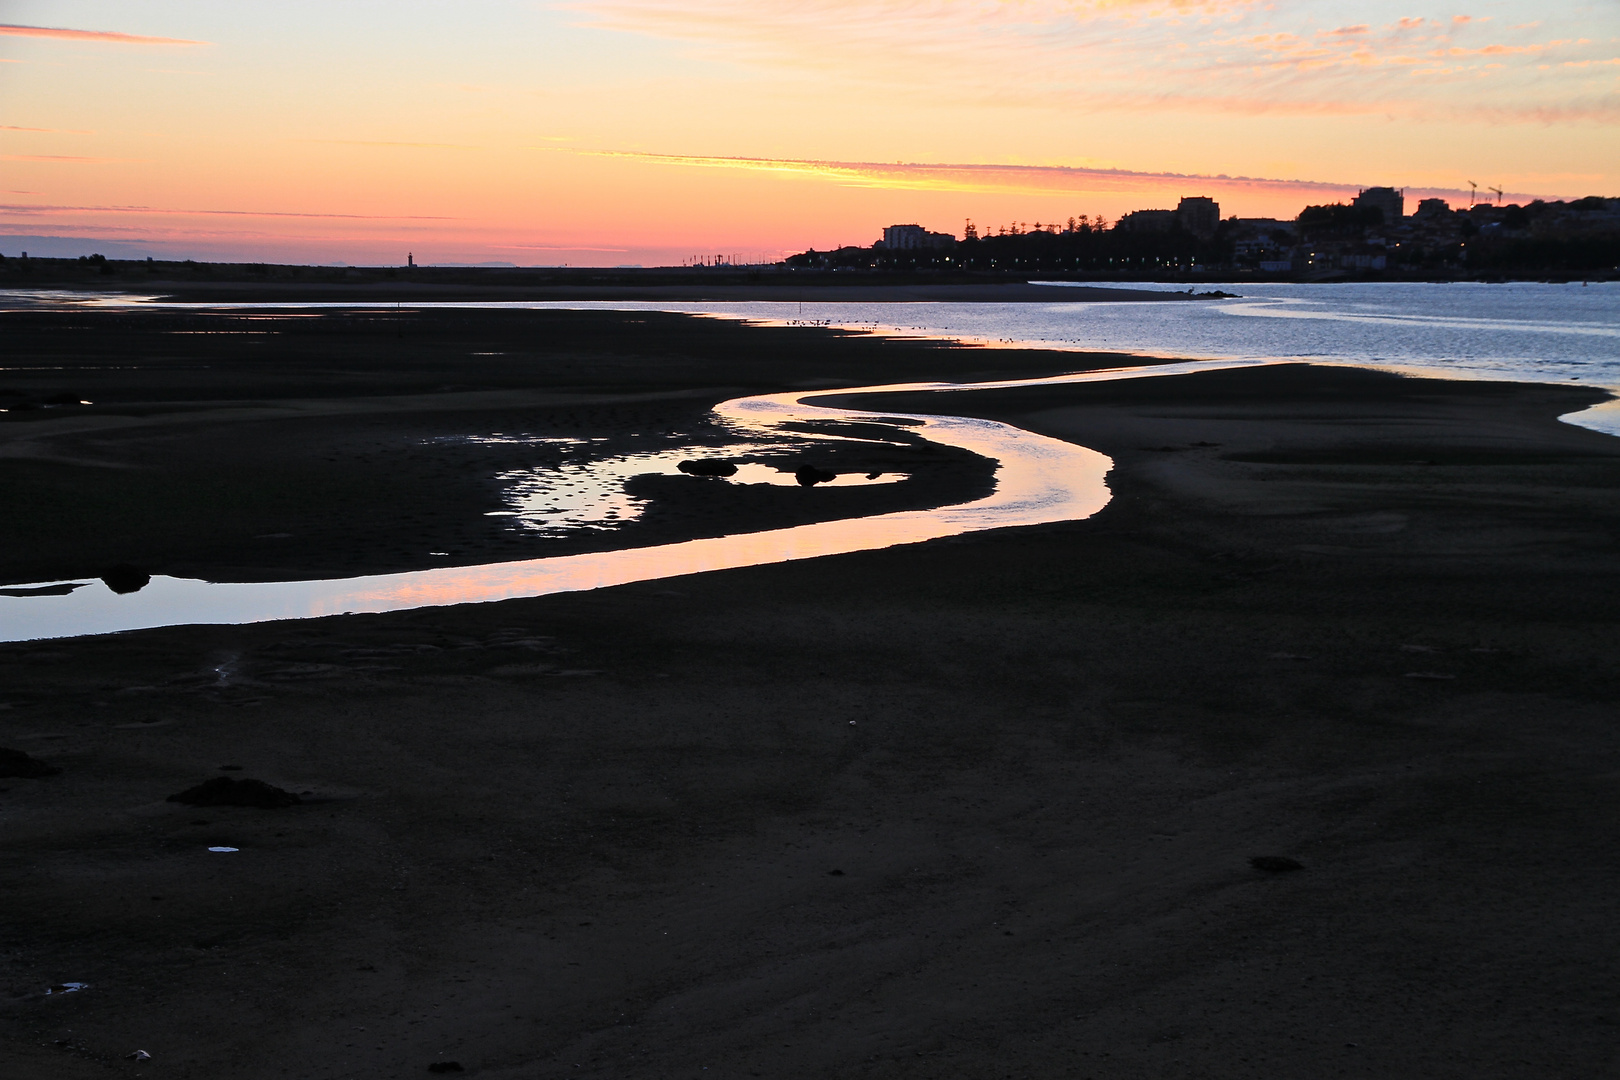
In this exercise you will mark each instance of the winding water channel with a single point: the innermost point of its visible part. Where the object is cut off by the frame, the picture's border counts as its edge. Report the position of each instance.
(1038, 479)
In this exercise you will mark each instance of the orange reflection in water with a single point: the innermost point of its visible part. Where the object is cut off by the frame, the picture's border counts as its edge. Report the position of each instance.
(1038, 480)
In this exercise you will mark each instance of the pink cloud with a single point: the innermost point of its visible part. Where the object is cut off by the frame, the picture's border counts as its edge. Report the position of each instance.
(15, 30)
(974, 177)
(24, 208)
(1232, 57)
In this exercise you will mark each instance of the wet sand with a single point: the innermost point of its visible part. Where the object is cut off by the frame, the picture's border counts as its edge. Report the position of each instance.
(981, 807)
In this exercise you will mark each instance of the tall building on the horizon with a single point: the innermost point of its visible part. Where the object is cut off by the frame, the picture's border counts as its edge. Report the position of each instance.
(1386, 200)
(1199, 215)
(1432, 208)
(914, 238)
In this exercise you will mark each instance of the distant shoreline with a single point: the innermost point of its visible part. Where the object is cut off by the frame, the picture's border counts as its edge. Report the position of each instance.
(787, 292)
(197, 282)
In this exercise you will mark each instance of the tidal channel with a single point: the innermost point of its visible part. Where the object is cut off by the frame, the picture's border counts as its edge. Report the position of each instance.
(1038, 480)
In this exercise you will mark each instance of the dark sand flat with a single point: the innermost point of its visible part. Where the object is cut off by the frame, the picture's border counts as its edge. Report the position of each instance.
(972, 808)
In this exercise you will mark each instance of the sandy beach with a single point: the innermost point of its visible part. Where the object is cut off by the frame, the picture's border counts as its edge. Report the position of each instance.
(982, 807)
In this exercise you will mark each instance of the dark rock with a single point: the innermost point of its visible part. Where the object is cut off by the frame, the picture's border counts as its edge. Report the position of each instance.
(445, 1067)
(809, 475)
(229, 791)
(1274, 864)
(17, 763)
(708, 468)
(125, 578)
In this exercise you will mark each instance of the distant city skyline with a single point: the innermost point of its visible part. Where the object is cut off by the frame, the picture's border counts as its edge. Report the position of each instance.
(650, 131)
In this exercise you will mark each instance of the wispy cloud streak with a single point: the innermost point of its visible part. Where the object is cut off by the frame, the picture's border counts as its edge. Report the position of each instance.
(1219, 55)
(1030, 179)
(112, 36)
(38, 208)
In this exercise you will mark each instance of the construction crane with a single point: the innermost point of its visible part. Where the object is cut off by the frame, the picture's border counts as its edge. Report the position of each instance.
(1498, 194)
(1473, 189)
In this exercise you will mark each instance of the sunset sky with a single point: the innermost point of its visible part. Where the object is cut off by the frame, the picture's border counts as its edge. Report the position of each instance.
(648, 131)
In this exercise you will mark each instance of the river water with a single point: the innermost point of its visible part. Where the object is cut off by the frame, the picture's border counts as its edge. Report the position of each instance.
(1520, 331)
(1524, 332)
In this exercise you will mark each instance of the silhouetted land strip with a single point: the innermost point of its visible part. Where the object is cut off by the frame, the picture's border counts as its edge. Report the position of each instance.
(982, 807)
(227, 282)
(1011, 292)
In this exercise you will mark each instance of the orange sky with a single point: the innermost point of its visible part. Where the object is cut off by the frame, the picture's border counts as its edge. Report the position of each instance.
(647, 131)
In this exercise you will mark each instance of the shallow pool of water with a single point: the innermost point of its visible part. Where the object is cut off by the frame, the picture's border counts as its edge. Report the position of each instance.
(554, 500)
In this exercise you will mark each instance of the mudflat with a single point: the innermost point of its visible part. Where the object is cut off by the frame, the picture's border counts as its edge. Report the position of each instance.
(981, 807)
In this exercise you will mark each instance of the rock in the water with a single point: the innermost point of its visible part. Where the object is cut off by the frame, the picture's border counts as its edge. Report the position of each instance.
(17, 763)
(229, 791)
(809, 475)
(125, 578)
(1275, 864)
(708, 468)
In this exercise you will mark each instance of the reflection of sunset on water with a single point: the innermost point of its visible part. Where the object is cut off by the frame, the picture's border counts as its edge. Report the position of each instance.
(1038, 480)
